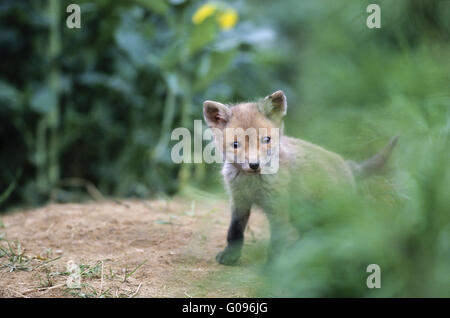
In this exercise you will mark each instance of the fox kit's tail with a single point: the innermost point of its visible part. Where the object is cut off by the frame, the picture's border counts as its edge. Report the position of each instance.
(375, 163)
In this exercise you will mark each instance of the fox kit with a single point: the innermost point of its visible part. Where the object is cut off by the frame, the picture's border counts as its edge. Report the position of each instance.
(299, 164)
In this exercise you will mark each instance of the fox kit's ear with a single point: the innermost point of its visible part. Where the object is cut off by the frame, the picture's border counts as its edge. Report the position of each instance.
(216, 114)
(278, 102)
(274, 106)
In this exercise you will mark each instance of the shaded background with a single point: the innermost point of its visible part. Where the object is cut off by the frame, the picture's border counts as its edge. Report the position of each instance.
(86, 113)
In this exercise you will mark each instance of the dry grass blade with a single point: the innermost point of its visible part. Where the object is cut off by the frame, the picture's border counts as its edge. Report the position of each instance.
(49, 261)
(128, 275)
(136, 292)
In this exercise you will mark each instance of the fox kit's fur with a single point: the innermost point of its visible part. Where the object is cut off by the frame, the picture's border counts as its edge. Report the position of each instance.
(300, 163)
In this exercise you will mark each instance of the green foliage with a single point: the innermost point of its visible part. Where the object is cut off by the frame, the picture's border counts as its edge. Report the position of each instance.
(99, 103)
(358, 88)
(407, 237)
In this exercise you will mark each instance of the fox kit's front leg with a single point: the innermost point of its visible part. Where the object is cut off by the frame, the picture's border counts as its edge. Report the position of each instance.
(235, 237)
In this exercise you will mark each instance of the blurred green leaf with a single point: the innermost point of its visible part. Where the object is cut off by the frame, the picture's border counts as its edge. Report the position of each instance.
(157, 6)
(9, 96)
(8, 191)
(202, 34)
(176, 2)
(212, 67)
(173, 82)
(246, 33)
(43, 100)
(134, 44)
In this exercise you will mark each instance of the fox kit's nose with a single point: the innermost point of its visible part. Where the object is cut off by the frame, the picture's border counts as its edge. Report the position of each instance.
(254, 165)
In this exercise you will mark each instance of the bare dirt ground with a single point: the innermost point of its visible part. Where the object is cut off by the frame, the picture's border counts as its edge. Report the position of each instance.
(159, 248)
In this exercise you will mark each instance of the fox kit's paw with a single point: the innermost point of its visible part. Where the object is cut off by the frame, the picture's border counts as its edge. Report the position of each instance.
(228, 257)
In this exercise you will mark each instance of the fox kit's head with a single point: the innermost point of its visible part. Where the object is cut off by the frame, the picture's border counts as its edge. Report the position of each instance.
(248, 133)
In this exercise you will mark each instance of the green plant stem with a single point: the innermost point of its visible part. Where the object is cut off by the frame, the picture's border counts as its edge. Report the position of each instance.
(54, 83)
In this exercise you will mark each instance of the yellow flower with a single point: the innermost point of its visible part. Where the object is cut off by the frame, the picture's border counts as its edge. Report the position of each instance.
(228, 19)
(203, 12)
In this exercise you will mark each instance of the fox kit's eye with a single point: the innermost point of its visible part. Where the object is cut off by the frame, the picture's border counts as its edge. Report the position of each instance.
(265, 140)
(235, 145)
